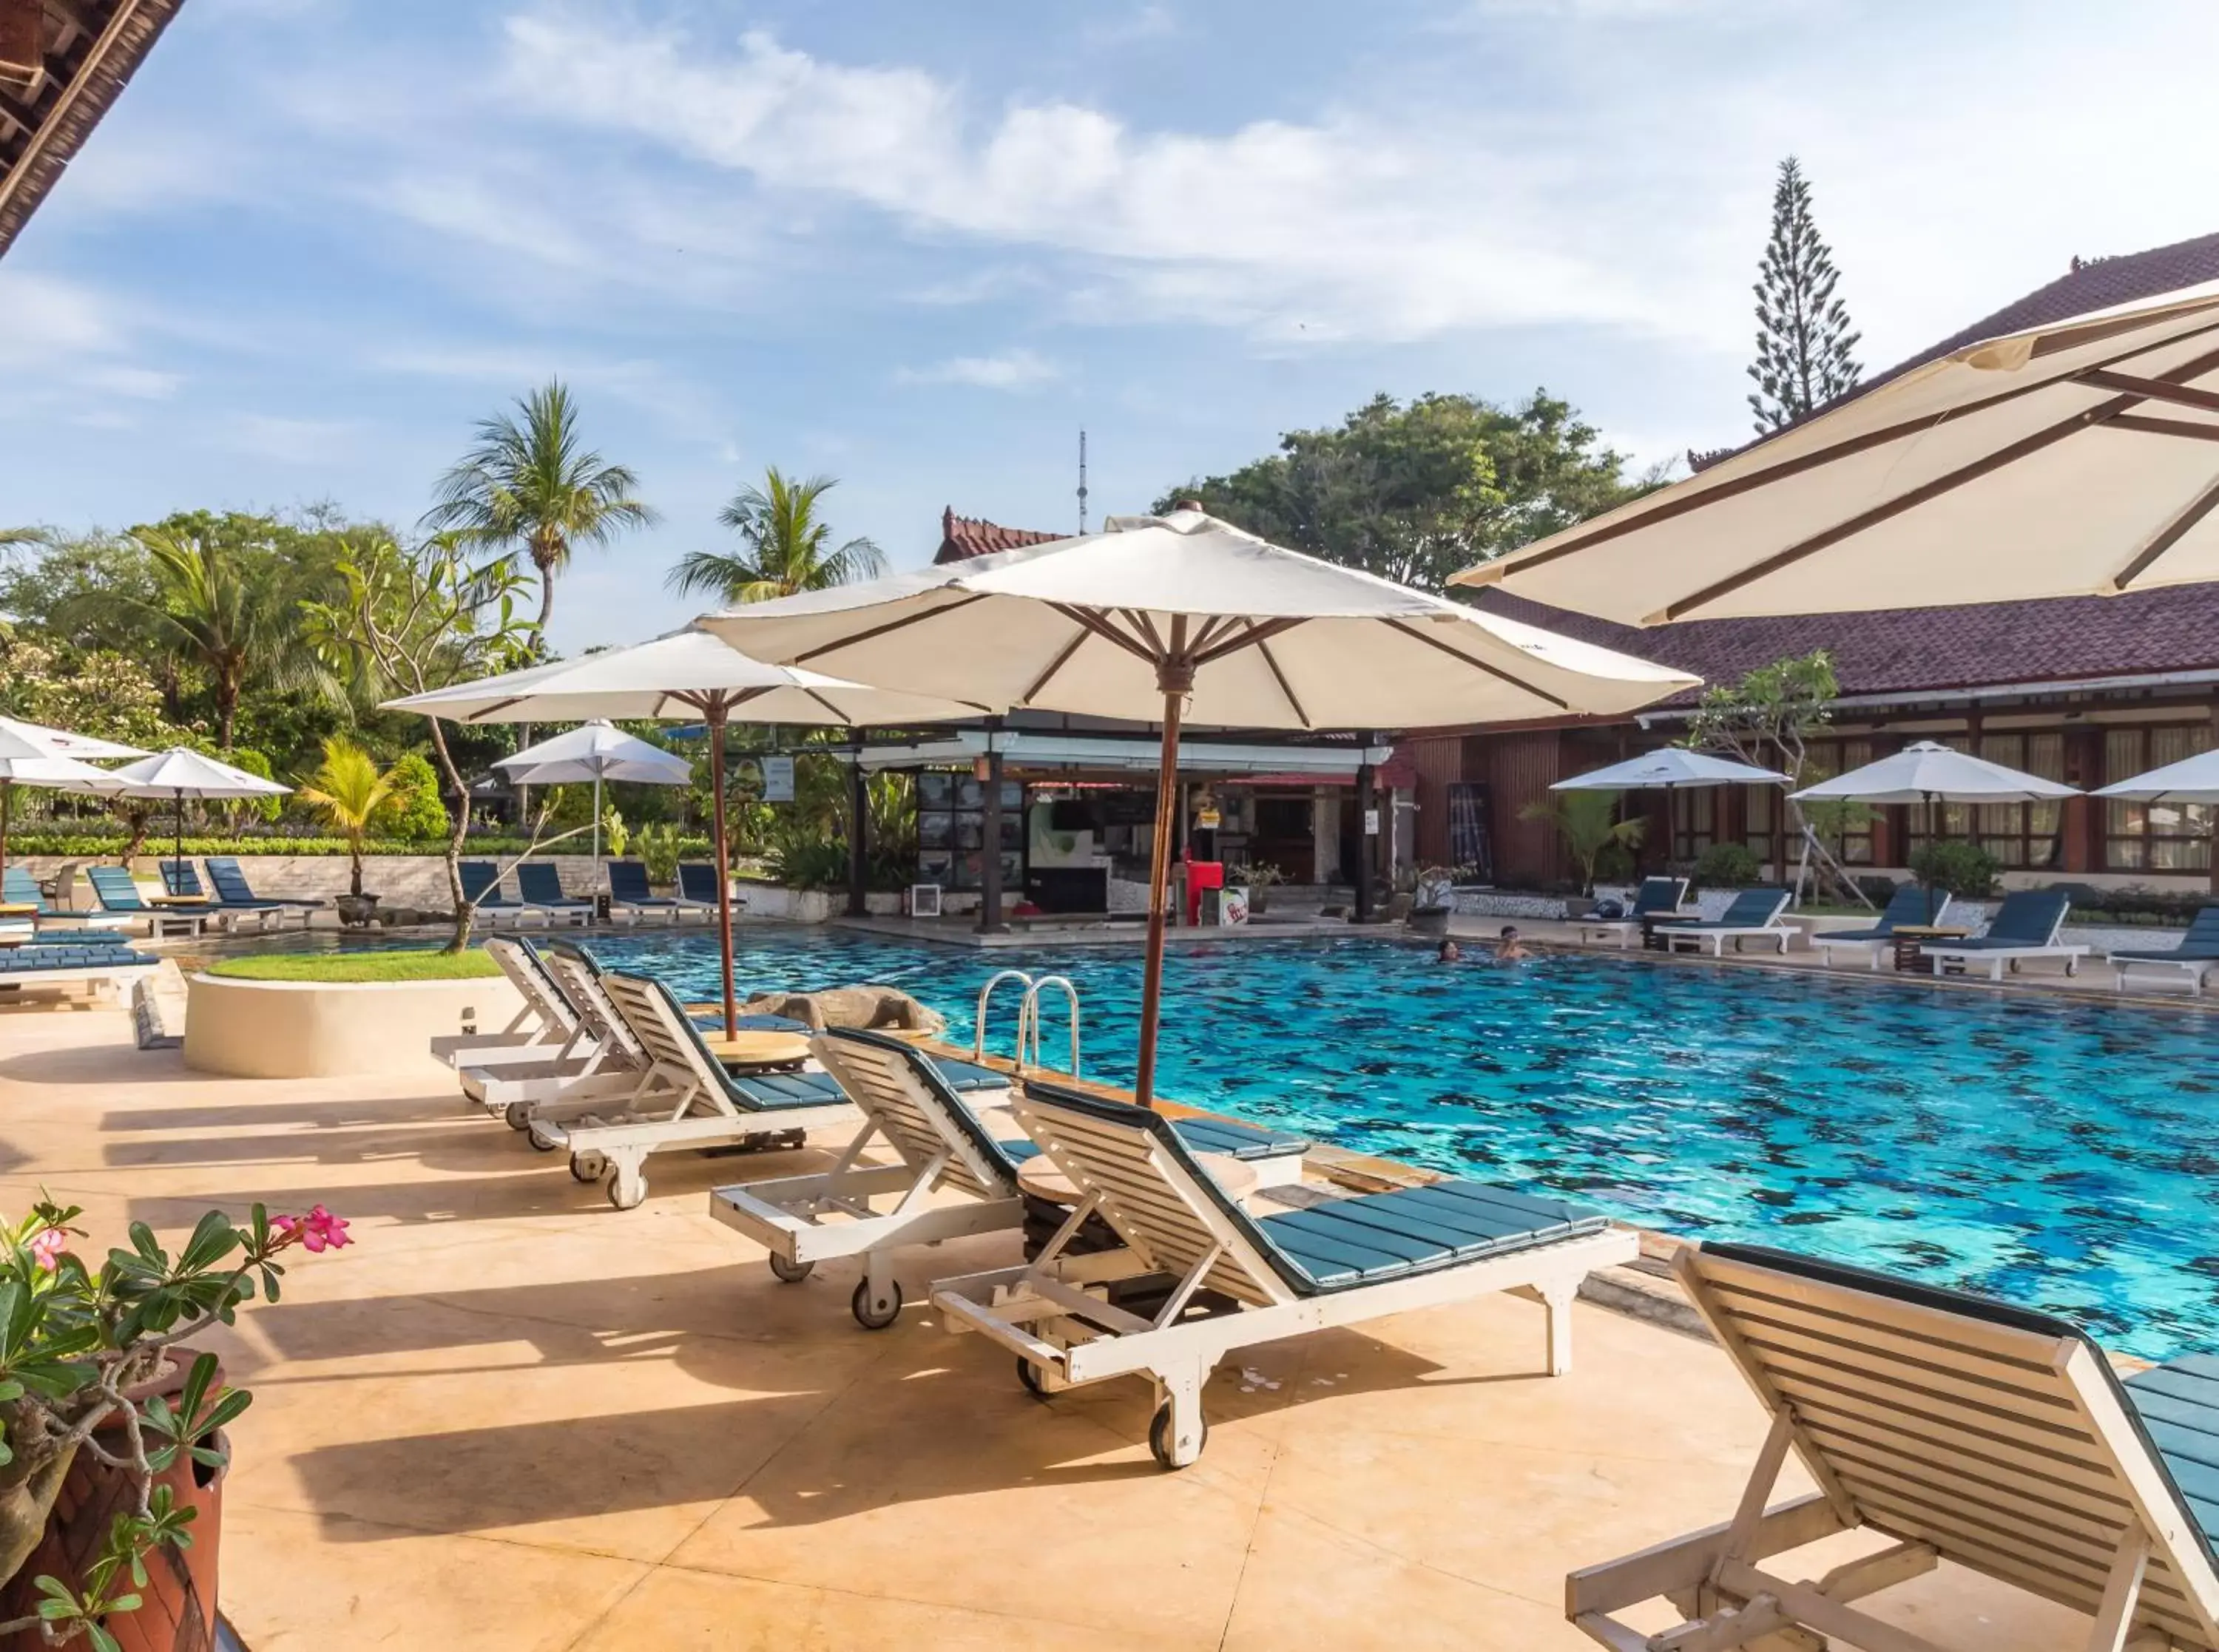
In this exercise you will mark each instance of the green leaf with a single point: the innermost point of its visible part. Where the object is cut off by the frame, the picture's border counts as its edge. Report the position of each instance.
(101, 1639)
(54, 1587)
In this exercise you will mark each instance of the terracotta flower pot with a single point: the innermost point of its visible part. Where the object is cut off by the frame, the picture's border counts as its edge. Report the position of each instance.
(179, 1601)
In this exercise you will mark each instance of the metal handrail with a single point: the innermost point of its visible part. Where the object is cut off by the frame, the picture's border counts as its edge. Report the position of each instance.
(979, 1026)
(1029, 1019)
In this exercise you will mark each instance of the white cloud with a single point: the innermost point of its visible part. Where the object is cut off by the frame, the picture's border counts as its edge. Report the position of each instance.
(1011, 370)
(1131, 26)
(290, 441)
(43, 318)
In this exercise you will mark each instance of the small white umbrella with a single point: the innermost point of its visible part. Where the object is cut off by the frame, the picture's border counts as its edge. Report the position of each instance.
(1187, 620)
(2192, 780)
(1925, 772)
(33, 754)
(595, 751)
(2073, 459)
(178, 774)
(1672, 767)
(687, 674)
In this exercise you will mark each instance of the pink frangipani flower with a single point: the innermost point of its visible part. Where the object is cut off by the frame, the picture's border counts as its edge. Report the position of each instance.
(47, 1247)
(319, 1230)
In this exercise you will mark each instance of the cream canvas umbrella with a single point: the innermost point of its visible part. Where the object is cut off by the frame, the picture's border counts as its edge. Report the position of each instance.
(1184, 619)
(2192, 780)
(33, 754)
(178, 774)
(596, 752)
(1668, 770)
(687, 674)
(2074, 459)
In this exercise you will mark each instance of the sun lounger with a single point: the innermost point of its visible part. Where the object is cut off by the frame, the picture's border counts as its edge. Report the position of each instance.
(1656, 898)
(89, 960)
(481, 887)
(18, 888)
(1908, 906)
(1233, 1280)
(179, 878)
(630, 895)
(230, 886)
(683, 1098)
(541, 885)
(1958, 1430)
(2196, 956)
(696, 888)
(1754, 914)
(2024, 926)
(545, 1025)
(119, 898)
(942, 1147)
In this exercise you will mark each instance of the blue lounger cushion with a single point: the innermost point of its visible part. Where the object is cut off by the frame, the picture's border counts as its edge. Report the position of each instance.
(2200, 942)
(627, 885)
(2178, 1406)
(1414, 1230)
(1905, 908)
(40, 955)
(822, 1088)
(481, 886)
(1219, 1136)
(541, 885)
(712, 1022)
(1752, 909)
(232, 889)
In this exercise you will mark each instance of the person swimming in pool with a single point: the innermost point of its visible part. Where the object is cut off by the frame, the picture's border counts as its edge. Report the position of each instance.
(1509, 949)
(1450, 953)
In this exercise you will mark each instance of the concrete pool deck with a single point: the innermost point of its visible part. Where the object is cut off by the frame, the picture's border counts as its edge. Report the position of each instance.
(511, 1418)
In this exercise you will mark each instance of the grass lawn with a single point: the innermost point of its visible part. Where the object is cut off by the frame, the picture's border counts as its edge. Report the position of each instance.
(398, 964)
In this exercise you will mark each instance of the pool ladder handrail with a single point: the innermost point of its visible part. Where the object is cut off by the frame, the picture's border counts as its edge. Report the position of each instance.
(1029, 1015)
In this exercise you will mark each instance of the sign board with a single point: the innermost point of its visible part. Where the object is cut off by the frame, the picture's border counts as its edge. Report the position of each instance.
(1207, 819)
(1371, 822)
(1231, 906)
(778, 779)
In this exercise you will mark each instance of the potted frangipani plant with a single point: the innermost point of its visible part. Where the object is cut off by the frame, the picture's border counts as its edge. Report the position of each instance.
(112, 1442)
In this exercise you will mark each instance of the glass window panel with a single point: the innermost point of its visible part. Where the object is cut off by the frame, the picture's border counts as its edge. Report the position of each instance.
(2127, 853)
(2168, 746)
(2045, 755)
(2123, 753)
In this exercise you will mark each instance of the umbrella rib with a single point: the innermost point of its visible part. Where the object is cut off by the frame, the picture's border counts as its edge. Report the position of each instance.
(2185, 395)
(1667, 508)
(1949, 481)
(2155, 426)
(845, 720)
(1062, 659)
(1209, 633)
(1103, 629)
(1254, 636)
(1280, 677)
(2166, 536)
(1138, 620)
(890, 625)
(1495, 671)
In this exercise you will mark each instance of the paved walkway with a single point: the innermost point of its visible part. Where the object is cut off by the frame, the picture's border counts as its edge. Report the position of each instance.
(511, 1418)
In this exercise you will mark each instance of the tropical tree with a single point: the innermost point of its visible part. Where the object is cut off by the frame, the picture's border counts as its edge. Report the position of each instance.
(786, 546)
(352, 793)
(215, 614)
(1588, 823)
(1804, 344)
(531, 488)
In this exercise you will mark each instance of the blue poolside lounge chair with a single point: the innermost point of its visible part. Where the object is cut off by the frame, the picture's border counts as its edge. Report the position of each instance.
(2196, 954)
(1956, 1433)
(179, 879)
(541, 885)
(697, 887)
(118, 894)
(2025, 926)
(630, 893)
(1906, 908)
(231, 885)
(1755, 912)
(97, 960)
(1656, 898)
(481, 888)
(18, 888)
(943, 1146)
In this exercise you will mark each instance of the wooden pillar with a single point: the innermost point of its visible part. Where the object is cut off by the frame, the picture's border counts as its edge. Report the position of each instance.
(2082, 818)
(2215, 826)
(859, 820)
(1366, 782)
(990, 863)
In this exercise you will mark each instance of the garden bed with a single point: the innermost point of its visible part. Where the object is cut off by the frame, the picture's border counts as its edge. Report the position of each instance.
(345, 968)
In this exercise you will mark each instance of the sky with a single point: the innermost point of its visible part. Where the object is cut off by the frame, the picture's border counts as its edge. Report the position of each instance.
(920, 247)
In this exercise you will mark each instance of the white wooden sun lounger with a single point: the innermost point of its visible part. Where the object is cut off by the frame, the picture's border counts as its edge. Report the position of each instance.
(1766, 906)
(682, 1098)
(1230, 1281)
(1666, 898)
(1962, 1430)
(545, 1025)
(941, 1148)
(2024, 928)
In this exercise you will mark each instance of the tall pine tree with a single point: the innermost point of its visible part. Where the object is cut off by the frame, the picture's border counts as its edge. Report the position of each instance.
(1803, 337)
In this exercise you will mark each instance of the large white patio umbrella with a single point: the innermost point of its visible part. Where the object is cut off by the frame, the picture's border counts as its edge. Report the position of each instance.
(179, 773)
(33, 754)
(2074, 459)
(595, 751)
(1669, 769)
(2192, 780)
(1926, 772)
(681, 676)
(1185, 619)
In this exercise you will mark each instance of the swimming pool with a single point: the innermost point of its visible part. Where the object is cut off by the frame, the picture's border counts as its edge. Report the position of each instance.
(2059, 1155)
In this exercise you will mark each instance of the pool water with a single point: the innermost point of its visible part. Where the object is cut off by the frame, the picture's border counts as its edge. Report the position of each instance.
(2058, 1155)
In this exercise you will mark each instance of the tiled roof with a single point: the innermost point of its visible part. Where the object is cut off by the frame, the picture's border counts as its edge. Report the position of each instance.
(970, 536)
(1910, 650)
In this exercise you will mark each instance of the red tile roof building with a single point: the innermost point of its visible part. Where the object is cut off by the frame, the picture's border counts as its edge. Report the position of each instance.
(970, 536)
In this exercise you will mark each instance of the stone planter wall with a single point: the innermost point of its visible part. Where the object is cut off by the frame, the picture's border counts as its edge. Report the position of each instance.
(300, 1029)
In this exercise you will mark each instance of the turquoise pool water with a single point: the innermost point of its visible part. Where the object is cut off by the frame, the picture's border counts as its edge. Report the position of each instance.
(2061, 1156)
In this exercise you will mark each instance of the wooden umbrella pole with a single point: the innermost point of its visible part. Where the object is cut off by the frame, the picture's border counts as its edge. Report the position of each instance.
(723, 867)
(1175, 676)
(7, 792)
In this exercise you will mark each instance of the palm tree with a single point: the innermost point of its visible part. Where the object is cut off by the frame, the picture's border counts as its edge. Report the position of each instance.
(786, 546)
(350, 792)
(1588, 823)
(531, 487)
(215, 613)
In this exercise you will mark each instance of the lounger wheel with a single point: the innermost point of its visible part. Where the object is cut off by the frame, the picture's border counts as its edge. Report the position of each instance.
(788, 1271)
(879, 1314)
(1159, 1436)
(588, 1166)
(539, 1144)
(517, 1115)
(627, 1187)
(1030, 1375)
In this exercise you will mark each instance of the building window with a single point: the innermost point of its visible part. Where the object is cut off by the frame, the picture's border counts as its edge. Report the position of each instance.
(1758, 805)
(2154, 836)
(2022, 836)
(1695, 820)
(1844, 828)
